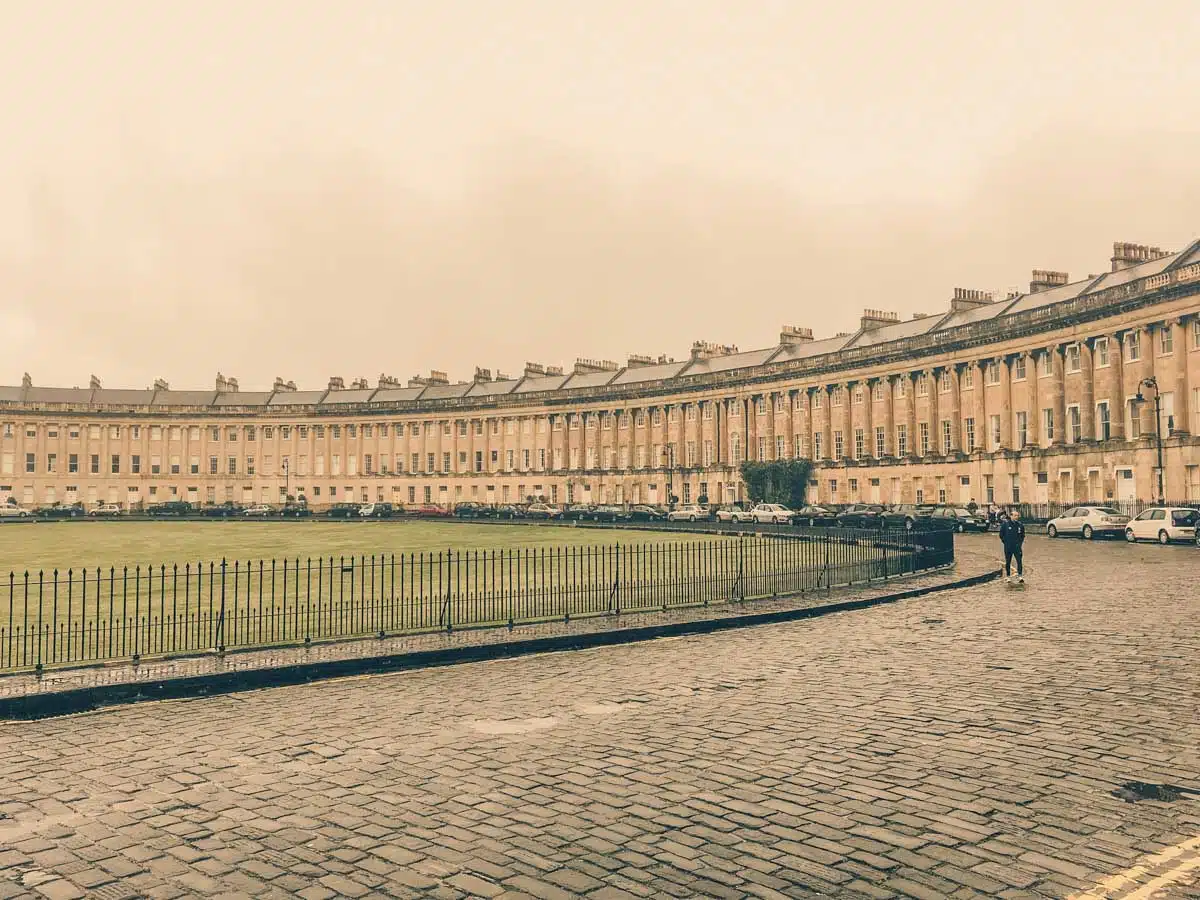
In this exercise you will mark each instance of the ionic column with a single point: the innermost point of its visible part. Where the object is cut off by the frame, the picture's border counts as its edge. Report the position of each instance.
(955, 412)
(828, 417)
(1087, 394)
(913, 440)
(1149, 349)
(889, 415)
(1035, 414)
(979, 378)
(1116, 381)
(1183, 396)
(935, 425)
(868, 417)
(1058, 393)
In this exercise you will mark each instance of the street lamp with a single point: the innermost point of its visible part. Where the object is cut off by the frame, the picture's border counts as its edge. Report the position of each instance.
(287, 481)
(1153, 382)
(669, 461)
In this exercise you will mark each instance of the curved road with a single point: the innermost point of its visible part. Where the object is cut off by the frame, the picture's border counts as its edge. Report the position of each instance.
(962, 744)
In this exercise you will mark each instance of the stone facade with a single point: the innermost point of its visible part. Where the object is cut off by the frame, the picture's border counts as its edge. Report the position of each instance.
(1029, 398)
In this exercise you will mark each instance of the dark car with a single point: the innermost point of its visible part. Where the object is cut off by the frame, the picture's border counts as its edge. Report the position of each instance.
(510, 511)
(861, 515)
(470, 510)
(577, 512)
(644, 513)
(906, 515)
(296, 511)
(958, 518)
(815, 517)
(61, 511)
(169, 509)
(222, 510)
(608, 513)
(343, 511)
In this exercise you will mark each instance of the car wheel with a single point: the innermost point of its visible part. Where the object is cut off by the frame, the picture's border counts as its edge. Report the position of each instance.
(1088, 534)
(960, 528)
(692, 519)
(1129, 535)
(909, 524)
(1052, 532)
(1163, 537)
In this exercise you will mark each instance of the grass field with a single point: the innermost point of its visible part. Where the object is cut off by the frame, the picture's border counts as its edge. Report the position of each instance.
(64, 545)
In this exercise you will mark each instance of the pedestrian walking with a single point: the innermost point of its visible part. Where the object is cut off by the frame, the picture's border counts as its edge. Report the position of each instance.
(1012, 538)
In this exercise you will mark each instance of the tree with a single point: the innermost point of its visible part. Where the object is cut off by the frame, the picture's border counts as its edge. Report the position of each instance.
(780, 481)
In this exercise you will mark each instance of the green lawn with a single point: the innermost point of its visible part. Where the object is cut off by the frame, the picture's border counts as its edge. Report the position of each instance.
(88, 544)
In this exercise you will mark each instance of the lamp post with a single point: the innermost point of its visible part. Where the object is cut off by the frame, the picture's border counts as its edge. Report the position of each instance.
(1153, 382)
(287, 481)
(669, 461)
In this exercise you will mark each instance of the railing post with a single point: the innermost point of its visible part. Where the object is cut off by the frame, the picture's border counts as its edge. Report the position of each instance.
(220, 635)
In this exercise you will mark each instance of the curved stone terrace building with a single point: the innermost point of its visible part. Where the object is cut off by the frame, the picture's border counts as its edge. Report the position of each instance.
(1031, 397)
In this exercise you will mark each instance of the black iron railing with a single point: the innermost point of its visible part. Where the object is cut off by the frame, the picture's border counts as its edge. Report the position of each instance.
(53, 618)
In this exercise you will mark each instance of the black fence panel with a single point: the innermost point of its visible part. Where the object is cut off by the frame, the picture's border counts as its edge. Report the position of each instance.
(79, 616)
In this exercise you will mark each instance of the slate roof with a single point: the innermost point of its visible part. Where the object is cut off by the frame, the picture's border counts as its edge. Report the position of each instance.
(729, 363)
(634, 374)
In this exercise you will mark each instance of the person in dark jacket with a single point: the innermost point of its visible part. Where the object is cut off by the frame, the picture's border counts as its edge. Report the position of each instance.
(1012, 537)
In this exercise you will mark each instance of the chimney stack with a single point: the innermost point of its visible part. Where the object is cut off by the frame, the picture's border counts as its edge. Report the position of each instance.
(1126, 254)
(160, 384)
(336, 383)
(965, 299)
(1044, 279)
(387, 381)
(877, 318)
(584, 366)
(534, 370)
(231, 385)
(435, 377)
(94, 383)
(360, 384)
(281, 385)
(706, 350)
(26, 380)
(790, 334)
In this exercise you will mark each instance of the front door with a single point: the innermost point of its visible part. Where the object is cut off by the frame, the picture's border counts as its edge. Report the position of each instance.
(1126, 486)
(875, 490)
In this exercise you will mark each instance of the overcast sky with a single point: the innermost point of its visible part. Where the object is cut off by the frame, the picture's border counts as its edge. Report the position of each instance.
(350, 187)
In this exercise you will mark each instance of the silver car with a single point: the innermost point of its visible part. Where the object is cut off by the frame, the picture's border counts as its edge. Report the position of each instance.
(1089, 522)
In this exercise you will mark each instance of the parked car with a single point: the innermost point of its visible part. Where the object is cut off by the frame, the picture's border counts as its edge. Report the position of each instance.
(169, 508)
(577, 512)
(814, 516)
(226, 510)
(772, 513)
(906, 515)
(261, 511)
(688, 512)
(1088, 521)
(861, 515)
(958, 518)
(542, 511)
(510, 511)
(733, 514)
(61, 511)
(377, 510)
(608, 513)
(1164, 524)
(10, 511)
(470, 510)
(642, 512)
(105, 510)
(295, 511)
(343, 511)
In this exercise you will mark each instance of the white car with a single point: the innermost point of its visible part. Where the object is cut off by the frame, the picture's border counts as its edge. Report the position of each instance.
(257, 511)
(689, 512)
(1164, 524)
(733, 514)
(775, 513)
(1088, 521)
(8, 511)
(105, 509)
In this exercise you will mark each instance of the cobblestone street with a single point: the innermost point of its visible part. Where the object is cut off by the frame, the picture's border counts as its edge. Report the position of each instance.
(961, 744)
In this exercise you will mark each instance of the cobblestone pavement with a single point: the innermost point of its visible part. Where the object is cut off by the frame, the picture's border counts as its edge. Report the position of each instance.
(960, 744)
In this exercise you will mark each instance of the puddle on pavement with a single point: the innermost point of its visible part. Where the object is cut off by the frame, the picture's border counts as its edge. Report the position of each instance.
(1135, 791)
